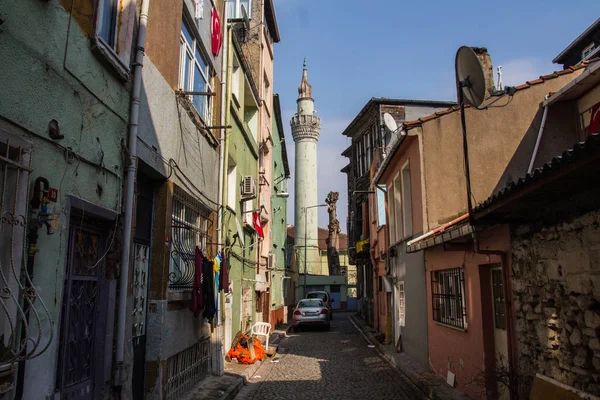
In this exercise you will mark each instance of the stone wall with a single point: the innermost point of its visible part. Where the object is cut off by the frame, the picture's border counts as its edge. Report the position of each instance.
(556, 285)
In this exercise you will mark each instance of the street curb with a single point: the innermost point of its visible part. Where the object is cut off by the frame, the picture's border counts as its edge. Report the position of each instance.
(424, 386)
(242, 380)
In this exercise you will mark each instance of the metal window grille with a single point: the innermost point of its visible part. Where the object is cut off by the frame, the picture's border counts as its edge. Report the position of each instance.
(499, 304)
(186, 368)
(401, 305)
(189, 228)
(448, 299)
(19, 297)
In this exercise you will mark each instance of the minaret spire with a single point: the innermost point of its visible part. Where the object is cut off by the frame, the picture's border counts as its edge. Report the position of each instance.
(304, 90)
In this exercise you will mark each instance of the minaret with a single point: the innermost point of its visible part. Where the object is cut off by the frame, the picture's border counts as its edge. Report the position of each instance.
(306, 127)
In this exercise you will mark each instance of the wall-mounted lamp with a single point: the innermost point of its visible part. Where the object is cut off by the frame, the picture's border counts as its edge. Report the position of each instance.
(282, 195)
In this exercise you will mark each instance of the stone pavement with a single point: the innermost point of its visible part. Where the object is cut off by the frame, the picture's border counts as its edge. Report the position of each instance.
(227, 386)
(433, 386)
(339, 364)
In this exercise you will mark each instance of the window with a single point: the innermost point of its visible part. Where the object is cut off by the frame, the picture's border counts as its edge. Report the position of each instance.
(112, 35)
(108, 16)
(401, 305)
(587, 52)
(369, 149)
(499, 304)
(448, 300)
(231, 185)
(188, 230)
(392, 210)
(406, 200)
(247, 212)
(380, 206)
(194, 73)
(235, 8)
(266, 93)
(397, 207)
(235, 79)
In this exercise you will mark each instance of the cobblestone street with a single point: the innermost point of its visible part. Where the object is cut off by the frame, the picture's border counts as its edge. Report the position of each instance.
(316, 364)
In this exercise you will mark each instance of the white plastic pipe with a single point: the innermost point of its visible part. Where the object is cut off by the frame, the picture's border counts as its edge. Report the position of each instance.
(129, 194)
(539, 137)
(224, 130)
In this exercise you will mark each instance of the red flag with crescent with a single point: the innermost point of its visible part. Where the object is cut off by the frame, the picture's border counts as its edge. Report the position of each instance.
(216, 32)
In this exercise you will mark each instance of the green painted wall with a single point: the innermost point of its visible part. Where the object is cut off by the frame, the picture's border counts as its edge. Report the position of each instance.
(91, 106)
(243, 150)
(278, 217)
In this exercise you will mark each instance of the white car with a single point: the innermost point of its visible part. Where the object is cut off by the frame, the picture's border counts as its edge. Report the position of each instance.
(311, 312)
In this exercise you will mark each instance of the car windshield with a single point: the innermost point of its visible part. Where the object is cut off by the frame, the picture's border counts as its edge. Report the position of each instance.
(321, 296)
(310, 303)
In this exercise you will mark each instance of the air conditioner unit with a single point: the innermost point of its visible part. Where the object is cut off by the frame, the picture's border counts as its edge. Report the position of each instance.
(248, 187)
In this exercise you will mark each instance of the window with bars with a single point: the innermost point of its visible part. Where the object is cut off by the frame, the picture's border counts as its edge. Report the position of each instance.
(448, 297)
(401, 305)
(499, 304)
(189, 228)
(194, 73)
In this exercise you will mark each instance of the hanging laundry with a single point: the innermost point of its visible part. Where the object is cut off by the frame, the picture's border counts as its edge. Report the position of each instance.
(224, 277)
(208, 288)
(199, 9)
(258, 225)
(216, 286)
(196, 305)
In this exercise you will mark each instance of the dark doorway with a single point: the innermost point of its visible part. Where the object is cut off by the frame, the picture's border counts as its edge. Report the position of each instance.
(141, 270)
(87, 311)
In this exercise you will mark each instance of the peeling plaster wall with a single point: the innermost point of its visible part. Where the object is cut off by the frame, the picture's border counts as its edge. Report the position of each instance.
(92, 108)
(556, 286)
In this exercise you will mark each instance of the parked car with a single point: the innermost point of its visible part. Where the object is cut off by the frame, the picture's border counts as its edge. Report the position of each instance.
(311, 312)
(327, 300)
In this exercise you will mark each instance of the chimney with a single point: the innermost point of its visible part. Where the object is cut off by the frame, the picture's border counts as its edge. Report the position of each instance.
(488, 71)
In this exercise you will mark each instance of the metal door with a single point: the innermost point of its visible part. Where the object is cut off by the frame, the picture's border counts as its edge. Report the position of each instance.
(142, 241)
(500, 336)
(336, 297)
(84, 320)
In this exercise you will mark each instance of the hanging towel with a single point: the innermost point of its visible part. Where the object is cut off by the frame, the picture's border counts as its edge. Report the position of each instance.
(224, 277)
(196, 305)
(208, 288)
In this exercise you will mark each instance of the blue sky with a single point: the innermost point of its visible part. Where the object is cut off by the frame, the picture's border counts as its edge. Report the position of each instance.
(356, 50)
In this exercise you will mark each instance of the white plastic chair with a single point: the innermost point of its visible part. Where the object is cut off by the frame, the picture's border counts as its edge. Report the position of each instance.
(261, 329)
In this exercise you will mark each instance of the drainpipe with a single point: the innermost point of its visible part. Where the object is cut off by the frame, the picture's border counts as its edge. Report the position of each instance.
(539, 137)
(223, 131)
(129, 195)
(227, 133)
(508, 310)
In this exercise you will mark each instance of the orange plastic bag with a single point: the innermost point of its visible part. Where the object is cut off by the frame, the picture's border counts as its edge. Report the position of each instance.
(242, 354)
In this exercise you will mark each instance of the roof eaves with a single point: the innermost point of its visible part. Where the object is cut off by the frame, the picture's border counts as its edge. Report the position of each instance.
(272, 20)
(277, 110)
(559, 58)
(398, 102)
(526, 85)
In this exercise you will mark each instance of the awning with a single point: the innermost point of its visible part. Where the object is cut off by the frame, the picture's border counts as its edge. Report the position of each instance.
(452, 230)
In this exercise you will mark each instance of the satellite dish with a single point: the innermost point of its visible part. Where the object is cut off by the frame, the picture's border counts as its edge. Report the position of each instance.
(239, 231)
(390, 122)
(469, 75)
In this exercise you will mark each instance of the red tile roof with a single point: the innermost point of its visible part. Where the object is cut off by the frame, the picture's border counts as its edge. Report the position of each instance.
(526, 85)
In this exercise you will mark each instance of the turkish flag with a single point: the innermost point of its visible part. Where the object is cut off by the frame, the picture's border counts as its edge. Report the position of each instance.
(257, 224)
(216, 38)
(595, 120)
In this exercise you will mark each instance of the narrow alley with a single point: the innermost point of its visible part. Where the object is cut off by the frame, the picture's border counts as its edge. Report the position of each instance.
(336, 364)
